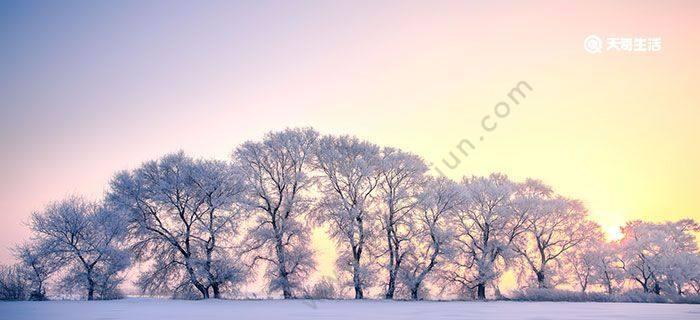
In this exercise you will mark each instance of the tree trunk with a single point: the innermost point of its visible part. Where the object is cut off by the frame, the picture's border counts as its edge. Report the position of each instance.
(193, 279)
(414, 291)
(213, 282)
(358, 292)
(91, 289)
(392, 285)
(657, 288)
(202, 290)
(481, 291)
(541, 280)
(497, 292)
(215, 289)
(358, 288)
(608, 283)
(392, 258)
(282, 266)
(645, 284)
(287, 293)
(357, 256)
(356, 280)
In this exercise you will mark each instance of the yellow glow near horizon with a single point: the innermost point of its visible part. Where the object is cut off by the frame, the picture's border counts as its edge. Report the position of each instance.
(619, 131)
(613, 233)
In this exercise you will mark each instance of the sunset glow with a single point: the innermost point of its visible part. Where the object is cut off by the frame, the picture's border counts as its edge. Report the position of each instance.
(613, 233)
(88, 91)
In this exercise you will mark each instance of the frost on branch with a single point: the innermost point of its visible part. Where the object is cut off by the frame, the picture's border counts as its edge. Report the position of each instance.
(181, 215)
(276, 173)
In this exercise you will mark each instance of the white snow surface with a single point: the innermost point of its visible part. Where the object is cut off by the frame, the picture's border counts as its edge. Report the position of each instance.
(152, 309)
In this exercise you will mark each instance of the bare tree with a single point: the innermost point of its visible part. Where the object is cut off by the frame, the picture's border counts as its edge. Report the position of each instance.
(276, 173)
(680, 272)
(87, 236)
(487, 226)
(582, 267)
(430, 245)
(350, 170)
(680, 263)
(640, 254)
(608, 269)
(661, 256)
(590, 264)
(221, 187)
(37, 263)
(182, 212)
(596, 263)
(13, 285)
(401, 175)
(554, 226)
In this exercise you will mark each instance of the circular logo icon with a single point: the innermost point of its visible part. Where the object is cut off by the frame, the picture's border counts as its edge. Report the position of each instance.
(593, 44)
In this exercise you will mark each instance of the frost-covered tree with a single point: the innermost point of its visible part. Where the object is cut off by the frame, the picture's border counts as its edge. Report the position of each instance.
(13, 285)
(220, 186)
(694, 284)
(606, 269)
(640, 254)
(582, 268)
(401, 175)
(324, 289)
(554, 225)
(86, 236)
(594, 264)
(37, 263)
(276, 173)
(487, 225)
(680, 263)
(680, 272)
(432, 232)
(660, 256)
(350, 175)
(609, 270)
(182, 215)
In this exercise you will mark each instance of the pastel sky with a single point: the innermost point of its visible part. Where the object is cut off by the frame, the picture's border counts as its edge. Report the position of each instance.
(88, 88)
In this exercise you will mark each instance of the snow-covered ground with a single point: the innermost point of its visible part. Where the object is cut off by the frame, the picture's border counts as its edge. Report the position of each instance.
(152, 309)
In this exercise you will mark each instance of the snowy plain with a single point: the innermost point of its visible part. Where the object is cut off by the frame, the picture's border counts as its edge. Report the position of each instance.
(152, 309)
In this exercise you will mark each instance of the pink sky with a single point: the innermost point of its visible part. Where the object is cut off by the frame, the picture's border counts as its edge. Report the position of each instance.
(91, 89)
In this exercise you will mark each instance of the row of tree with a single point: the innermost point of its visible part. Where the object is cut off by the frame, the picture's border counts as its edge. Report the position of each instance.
(201, 228)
